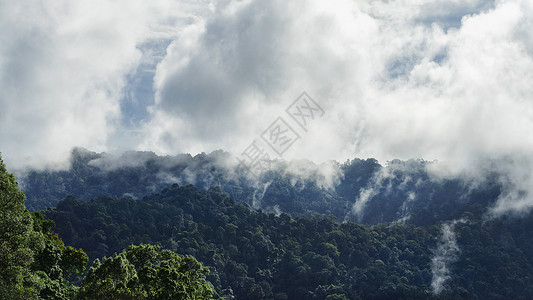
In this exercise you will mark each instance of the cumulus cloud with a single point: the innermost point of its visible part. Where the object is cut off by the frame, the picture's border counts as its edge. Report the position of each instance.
(224, 81)
(395, 83)
(63, 69)
(446, 80)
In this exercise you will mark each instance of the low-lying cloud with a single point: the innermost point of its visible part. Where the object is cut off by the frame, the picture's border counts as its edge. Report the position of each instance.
(446, 80)
(446, 253)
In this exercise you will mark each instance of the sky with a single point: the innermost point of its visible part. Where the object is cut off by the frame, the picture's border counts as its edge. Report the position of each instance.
(438, 80)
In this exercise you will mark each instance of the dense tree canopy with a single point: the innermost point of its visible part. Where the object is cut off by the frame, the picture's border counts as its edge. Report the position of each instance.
(146, 272)
(18, 242)
(400, 190)
(36, 264)
(253, 255)
(416, 238)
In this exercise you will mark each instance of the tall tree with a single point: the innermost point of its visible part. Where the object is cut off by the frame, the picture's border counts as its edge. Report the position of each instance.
(146, 272)
(34, 263)
(18, 242)
(56, 264)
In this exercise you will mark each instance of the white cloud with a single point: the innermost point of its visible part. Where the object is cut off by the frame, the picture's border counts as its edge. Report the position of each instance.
(446, 80)
(224, 81)
(399, 79)
(446, 253)
(391, 87)
(63, 68)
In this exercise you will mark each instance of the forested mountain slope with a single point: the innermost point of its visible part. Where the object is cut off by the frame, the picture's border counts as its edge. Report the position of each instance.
(358, 190)
(255, 255)
(357, 230)
(36, 264)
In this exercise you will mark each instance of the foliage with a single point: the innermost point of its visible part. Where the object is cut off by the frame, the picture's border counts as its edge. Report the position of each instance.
(57, 264)
(18, 242)
(33, 261)
(254, 254)
(36, 264)
(251, 254)
(146, 272)
(400, 190)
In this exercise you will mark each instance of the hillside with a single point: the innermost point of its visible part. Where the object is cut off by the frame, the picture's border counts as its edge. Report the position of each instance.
(255, 255)
(356, 230)
(358, 190)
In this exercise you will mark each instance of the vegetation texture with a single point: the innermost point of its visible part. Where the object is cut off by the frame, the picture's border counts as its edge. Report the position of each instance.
(36, 264)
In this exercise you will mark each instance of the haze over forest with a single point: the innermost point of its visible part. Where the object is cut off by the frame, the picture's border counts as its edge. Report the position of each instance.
(285, 125)
(446, 81)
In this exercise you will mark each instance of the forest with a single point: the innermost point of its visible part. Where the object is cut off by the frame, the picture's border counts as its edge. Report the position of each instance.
(147, 227)
(400, 190)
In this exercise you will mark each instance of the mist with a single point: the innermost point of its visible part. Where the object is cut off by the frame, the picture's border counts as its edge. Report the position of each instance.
(446, 253)
(442, 80)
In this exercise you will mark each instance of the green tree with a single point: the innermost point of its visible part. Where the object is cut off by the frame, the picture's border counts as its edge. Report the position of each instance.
(33, 261)
(56, 261)
(18, 242)
(146, 271)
